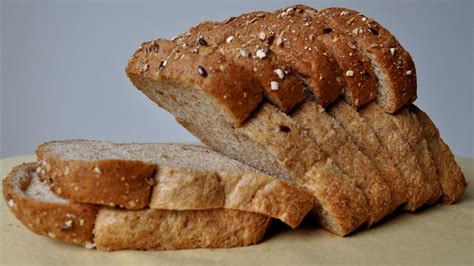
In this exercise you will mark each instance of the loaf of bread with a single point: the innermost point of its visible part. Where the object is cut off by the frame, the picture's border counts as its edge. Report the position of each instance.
(264, 88)
(45, 213)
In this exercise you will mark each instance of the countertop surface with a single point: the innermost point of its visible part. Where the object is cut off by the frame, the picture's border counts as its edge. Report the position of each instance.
(441, 234)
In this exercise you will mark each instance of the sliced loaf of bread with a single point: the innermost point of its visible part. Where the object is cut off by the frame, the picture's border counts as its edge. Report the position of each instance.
(178, 177)
(45, 213)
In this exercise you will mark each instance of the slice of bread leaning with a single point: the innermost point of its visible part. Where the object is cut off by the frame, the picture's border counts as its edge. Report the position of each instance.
(168, 177)
(45, 213)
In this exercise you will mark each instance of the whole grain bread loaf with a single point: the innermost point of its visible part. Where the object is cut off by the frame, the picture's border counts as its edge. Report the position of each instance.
(167, 176)
(358, 159)
(45, 213)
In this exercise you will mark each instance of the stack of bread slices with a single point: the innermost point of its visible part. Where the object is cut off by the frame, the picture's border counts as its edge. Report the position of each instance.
(302, 111)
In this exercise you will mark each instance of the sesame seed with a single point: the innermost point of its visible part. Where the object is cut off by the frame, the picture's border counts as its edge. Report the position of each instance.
(261, 53)
(408, 72)
(311, 37)
(201, 71)
(343, 13)
(262, 36)
(364, 19)
(393, 50)
(274, 86)
(201, 41)
(52, 235)
(349, 73)
(195, 50)
(89, 245)
(11, 203)
(81, 222)
(355, 31)
(229, 39)
(145, 67)
(67, 225)
(245, 94)
(97, 170)
(279, 73)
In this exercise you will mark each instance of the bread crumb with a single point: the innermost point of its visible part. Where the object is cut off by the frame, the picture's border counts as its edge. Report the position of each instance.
(89, 245)
(52, 235)
(97, 170)
(274, 86)
(393, 50)
(66, 170)
(11, 203)
(81, 222)
(262, 36)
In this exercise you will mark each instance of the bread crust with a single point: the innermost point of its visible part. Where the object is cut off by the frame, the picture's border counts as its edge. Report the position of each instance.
(231, 85)
(113, 229)
(65, 221)
(121, 183)
(394, 62)
(129, 184)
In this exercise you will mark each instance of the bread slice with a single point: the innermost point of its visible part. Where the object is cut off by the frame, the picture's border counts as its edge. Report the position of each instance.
(108, 229)
(337, 144)
(394, 141)
(450, 176)
(392, 64)
(187, 177)
(369, 144)
(410, 128)
(151, 229)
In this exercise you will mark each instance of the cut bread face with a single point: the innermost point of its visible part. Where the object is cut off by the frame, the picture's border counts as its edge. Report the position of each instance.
(179, 177)
(450, 177)
(151, 229)
(45, 213)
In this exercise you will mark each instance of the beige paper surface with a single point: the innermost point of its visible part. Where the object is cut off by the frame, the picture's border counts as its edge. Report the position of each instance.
(442, 235)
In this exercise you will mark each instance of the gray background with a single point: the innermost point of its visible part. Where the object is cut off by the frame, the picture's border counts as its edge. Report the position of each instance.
(62, 65)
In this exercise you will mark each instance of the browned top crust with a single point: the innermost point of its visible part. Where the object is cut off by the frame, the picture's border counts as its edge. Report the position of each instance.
(397, 69)
(278, 56)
